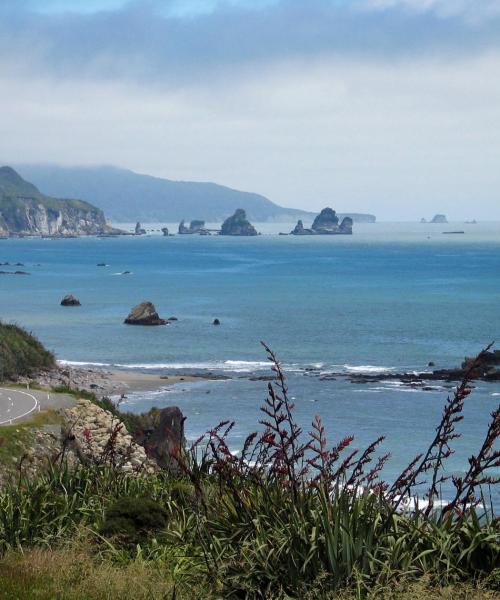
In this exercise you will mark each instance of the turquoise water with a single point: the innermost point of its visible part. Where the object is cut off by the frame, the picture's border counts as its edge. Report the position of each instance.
(392, 296)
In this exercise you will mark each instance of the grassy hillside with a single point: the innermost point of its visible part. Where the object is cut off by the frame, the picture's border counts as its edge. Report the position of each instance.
(15, 191)
(21, 353)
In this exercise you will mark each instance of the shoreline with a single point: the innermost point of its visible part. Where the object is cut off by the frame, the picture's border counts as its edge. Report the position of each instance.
(106, 382)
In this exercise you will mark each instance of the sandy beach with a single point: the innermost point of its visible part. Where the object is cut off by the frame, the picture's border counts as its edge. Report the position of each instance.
(105, 382)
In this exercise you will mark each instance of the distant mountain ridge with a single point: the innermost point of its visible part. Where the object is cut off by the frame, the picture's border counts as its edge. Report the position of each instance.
(24, 210)
(126, 196)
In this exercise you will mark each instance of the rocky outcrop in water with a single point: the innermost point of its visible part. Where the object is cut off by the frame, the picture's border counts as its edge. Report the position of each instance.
(487, 367)
(326, 223)
(139, 230)
(144, 314)
(301, 230)
(70, 300)
(439, 219)
(164, 230)
(238, 224)
(196, 226)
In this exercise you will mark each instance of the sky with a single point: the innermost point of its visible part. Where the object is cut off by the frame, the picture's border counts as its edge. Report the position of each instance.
(383, 106)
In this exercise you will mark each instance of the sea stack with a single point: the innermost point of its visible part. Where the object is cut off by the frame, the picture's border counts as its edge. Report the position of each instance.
(144, 314)
(138, 229)
(439, 219)
(238, 224)
(196, 226)
(300, 229)
(326, 223)
(70, 300)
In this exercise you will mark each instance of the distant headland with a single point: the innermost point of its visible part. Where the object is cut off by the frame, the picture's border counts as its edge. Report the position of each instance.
(25, 211)
(126, 196)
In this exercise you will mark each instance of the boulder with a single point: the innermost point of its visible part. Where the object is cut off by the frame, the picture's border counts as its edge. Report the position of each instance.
(138, 229)
(326, 222)
(70, 300)
(165, 439)
(238, 224)
(144, 314)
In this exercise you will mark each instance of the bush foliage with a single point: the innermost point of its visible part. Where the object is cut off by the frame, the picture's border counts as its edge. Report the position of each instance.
(21, 353)
(287, 517)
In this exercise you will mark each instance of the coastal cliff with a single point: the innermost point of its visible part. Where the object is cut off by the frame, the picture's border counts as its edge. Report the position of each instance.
(24, 210)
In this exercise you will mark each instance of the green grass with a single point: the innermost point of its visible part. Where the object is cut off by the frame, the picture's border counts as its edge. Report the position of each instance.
(21, 354)
(14, 439)
(256, 544)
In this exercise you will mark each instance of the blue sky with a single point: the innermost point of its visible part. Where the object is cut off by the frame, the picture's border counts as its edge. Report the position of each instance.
(387, 106)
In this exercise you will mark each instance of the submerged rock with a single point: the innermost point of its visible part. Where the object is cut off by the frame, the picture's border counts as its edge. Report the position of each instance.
(70, 300)
(144, 314)
(238, 224)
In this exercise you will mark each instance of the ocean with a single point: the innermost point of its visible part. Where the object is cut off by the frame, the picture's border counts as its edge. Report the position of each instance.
(392, 297)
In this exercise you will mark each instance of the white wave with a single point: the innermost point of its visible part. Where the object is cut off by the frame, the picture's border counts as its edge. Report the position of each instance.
(76, 363)
(236, 366)
(367, 369)
(244, 366)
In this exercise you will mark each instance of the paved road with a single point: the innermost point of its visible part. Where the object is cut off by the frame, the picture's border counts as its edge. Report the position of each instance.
(17, 404)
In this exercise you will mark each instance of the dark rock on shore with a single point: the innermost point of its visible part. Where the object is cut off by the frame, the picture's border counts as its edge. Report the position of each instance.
(144, 314)
(486, 367)
(165, 439)
(238, 224)
(70, 300)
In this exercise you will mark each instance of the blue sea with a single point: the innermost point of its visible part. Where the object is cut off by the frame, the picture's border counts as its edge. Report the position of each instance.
(392, 297)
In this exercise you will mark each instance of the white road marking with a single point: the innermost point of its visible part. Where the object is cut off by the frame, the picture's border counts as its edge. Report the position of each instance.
(24, 414)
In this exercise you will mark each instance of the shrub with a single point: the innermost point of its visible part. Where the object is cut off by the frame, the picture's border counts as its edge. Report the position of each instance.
(133, 520)
(21, 354)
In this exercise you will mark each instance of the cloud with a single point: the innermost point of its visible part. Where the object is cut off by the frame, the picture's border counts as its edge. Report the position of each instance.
(373, 105)
(148, 41)
(472, 10)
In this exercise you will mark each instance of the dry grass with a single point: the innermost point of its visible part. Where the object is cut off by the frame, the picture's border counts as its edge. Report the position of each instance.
(75, 574)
